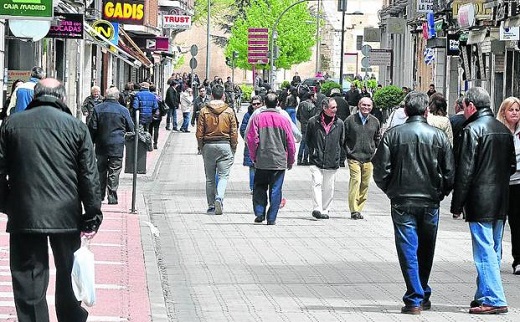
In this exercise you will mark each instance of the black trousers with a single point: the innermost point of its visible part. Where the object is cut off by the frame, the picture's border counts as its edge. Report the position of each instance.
(514, 221)
(154, 130)
(29, 258)
(109, 169)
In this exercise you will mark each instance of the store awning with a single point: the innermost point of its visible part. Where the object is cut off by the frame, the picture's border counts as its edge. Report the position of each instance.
(130, 46)
(111, 48)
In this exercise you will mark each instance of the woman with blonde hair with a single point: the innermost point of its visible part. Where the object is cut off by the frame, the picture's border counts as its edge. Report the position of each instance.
(437, 115)
(509, 115)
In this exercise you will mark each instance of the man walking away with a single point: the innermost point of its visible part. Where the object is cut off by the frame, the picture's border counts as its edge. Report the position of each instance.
(43, 196)
(485, 159)
(325, 136)
(306, 110)
(172, 99)
(217, 137)
(362, 135)
(146, 102)
(271, 147)
(108, 125)
(24, 93)
(408, 152)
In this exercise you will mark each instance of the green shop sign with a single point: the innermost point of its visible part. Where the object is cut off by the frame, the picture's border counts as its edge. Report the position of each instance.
(26, 9)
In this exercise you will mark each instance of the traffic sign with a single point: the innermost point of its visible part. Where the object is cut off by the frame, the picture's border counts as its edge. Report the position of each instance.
(193, 63)
(194, 50)
(366, 49)
(365, 62)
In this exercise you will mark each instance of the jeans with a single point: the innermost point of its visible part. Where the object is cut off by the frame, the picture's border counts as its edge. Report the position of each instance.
(486, 238)
(292, 113)
(303, 151)
(171, 118)
(252, 171)
(218, 159)
(360, 174)
(322, 188)
(271, 180)
(415, 231)
(185, 120)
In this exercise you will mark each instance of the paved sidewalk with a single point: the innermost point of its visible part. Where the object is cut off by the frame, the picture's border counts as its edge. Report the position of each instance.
(225, 268)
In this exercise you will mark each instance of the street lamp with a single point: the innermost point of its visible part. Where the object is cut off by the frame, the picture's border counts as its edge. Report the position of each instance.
(272, 45)
(342, 6)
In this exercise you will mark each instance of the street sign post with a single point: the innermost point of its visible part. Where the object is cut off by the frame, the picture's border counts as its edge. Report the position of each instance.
(257, 46)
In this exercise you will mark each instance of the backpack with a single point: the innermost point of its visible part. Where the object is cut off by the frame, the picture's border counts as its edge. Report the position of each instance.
(163, 108)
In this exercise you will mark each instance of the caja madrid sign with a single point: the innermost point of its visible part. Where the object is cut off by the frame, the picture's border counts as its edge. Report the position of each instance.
(124, 11)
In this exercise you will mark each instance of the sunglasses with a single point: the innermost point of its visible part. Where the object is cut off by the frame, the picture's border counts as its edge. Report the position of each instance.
(256, 104)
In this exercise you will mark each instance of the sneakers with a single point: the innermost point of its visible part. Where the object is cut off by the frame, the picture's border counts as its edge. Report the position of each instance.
(516, 270)
(318, 215)
(218, 206)
(260, 218)
(488, 309)
(210, 211)
(356, 215)
(426, 305)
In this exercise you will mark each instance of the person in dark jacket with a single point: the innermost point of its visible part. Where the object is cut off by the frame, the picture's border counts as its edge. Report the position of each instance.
(108, 125)
(352, 97)
(43, 196)
(256, 102)
(146, 103)
(485, 159)
(156, 118)
(173, 100)
(408, 152)
(90, 102)
(362, 136)
(198, 103)
(306, 110)
(457, 122)
(324, 136)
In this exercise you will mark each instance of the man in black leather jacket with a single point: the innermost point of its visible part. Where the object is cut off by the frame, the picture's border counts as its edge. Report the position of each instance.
(414, 167)
(485, 159)
(47, 173)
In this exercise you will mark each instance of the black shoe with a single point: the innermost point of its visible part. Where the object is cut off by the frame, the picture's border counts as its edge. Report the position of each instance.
(168, 128)
(474, 303)
(260, 218)
(316, 214)
(271, 223)
(426, 305)
(175, 129)
(112, 201)
(356, 215)
(413, 310)
(299, 163)
(155, 146)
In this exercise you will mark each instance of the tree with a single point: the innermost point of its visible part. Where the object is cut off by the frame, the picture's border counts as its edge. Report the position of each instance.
(296, 30)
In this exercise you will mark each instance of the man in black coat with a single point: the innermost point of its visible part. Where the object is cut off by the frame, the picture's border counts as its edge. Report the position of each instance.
(325, 136)
(485, 159)
(108, 125)
(414, 167)
(173, 100)
(47, 175)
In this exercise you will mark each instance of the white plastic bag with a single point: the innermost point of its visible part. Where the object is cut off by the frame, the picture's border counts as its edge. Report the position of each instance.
(83, 275)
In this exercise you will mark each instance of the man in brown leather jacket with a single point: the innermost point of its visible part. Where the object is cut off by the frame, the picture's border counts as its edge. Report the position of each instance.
(217, 138)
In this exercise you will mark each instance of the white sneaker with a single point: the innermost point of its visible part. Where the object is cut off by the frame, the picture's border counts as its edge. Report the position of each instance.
(218, 206)
(516, 270)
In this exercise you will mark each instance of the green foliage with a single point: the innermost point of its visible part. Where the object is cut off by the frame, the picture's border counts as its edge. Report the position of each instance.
(295, 33)
(328, 86)
(246, 92)
(179, 63)
(285, 83)
(369, 83)
(388, 97)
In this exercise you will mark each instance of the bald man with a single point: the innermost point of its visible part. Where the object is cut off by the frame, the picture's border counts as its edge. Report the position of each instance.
(362, 136)
(51, 187)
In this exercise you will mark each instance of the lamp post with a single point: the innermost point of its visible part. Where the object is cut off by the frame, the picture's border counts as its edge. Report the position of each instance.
(317, 69)
(208, 25)
(272, 42)
(343, 4)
